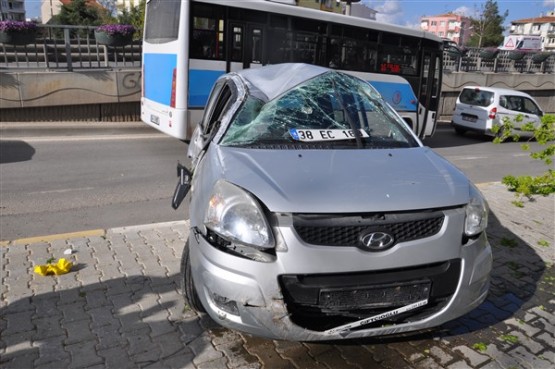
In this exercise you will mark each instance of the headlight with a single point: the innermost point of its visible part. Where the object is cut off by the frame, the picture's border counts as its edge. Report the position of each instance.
(476, 213)
(236, 216)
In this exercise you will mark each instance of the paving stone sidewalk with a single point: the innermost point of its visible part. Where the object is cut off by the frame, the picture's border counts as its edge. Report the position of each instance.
(120, 307)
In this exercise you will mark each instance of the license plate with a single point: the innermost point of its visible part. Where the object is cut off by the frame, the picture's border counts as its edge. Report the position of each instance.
(155, 119)
(469, 118)
(378, 296)
(320, 135)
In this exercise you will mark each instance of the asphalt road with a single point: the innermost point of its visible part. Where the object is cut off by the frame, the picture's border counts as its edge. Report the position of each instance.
(59, 178)
(56, 180)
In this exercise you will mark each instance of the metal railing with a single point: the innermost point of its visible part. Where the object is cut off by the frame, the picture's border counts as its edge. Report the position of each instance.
(68, 48)
(501, 61)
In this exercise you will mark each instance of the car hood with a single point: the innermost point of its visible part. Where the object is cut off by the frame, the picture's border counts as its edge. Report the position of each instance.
(344, 181)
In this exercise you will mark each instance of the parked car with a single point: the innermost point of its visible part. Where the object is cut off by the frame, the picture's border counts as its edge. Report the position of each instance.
(317, 214)
(480, 108)
(452, 47)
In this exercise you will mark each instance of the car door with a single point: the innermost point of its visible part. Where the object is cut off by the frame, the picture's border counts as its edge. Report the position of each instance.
(218, 100)
(531, 111)
(520, 106)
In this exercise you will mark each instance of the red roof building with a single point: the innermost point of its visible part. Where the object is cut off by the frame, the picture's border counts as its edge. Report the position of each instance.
(542, 26)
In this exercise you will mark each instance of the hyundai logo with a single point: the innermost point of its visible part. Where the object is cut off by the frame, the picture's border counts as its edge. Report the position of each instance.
(376, 241)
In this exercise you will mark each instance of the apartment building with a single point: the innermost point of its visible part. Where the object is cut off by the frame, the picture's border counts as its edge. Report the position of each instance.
(542, 26)
(12, 10)
(451, 26)
(325, 5)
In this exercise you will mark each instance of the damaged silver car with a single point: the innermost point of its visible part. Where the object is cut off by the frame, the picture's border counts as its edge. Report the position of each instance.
(316, 213)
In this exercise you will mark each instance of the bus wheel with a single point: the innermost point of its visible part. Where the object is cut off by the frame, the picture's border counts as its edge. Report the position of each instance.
(187, 286)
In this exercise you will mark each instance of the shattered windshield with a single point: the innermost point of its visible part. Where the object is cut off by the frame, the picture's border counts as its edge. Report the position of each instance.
(332, 109)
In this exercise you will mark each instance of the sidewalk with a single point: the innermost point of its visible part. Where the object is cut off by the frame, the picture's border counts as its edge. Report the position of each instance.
(120, 307)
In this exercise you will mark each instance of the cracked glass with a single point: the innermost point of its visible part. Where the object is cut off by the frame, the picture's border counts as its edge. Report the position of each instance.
(332, 110)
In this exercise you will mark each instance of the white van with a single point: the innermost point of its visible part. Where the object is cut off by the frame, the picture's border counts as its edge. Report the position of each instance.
(480, 108)
(524, 43)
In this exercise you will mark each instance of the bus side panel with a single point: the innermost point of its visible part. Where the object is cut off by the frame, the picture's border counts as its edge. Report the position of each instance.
(158, 75)
(400, 96)
(202, 76)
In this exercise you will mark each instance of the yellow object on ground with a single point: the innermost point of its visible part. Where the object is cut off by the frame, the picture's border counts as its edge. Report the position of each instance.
(61, 267)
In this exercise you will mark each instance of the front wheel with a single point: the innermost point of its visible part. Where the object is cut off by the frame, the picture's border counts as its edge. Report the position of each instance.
(187, 286)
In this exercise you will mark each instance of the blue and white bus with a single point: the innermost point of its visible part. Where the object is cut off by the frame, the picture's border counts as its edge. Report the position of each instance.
(189, 44)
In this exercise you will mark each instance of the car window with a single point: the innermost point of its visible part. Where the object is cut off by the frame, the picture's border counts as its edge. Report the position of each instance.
(503, 102)
(472, 96)
(515, 103)
(530, 106)
(332, 109)
(209, 110)
(218, 108)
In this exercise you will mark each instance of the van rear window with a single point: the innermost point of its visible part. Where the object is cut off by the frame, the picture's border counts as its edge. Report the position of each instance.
(472, 96)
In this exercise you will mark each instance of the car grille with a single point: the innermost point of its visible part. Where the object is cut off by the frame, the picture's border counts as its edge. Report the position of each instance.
(334, 230)
(324, 301)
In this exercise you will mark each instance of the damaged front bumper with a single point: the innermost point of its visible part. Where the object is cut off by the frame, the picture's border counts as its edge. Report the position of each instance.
(249, 296)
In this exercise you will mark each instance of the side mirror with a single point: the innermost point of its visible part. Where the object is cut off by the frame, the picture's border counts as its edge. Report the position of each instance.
(183, 185)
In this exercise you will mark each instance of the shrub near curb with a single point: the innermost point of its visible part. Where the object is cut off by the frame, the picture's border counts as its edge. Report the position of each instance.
(544, 134)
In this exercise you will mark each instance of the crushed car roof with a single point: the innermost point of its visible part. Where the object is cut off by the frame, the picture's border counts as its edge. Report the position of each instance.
(271, 81)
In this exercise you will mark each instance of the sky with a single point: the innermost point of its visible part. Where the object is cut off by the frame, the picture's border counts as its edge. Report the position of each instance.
(408, 12)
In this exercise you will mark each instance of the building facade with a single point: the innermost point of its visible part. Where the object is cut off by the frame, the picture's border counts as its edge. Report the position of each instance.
(542, 26)
(362, 11)
(325, 5)
(451, 26)
(48, 9)
(126, 4)
(12, 10)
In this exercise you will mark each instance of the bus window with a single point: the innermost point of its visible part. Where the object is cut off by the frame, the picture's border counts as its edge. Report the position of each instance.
(162, 25)
(237, 43)
(256, 46)
(207, 39)
(398, 60)
(305, 48)
(281, 40)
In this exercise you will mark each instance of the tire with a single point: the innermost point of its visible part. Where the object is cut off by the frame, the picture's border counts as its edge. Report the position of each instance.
(500, 132)
(460, 131)
(188, 290)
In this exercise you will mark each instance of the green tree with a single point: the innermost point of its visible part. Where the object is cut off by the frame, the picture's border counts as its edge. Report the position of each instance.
(80, 13)
(134, 16)
(488, 26)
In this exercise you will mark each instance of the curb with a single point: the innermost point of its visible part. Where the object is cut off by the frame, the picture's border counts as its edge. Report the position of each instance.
(55, 237)
(90, 233)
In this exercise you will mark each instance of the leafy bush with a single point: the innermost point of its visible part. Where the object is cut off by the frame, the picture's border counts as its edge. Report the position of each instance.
(544, 134)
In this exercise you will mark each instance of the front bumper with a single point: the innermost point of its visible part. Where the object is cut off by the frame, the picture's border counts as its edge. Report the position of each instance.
(261, 308)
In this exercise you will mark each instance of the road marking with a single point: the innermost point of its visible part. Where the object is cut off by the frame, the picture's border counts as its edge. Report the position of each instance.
(144, 136)
(467, 157)
(54, 237)
(62, 190)
(481, 157)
